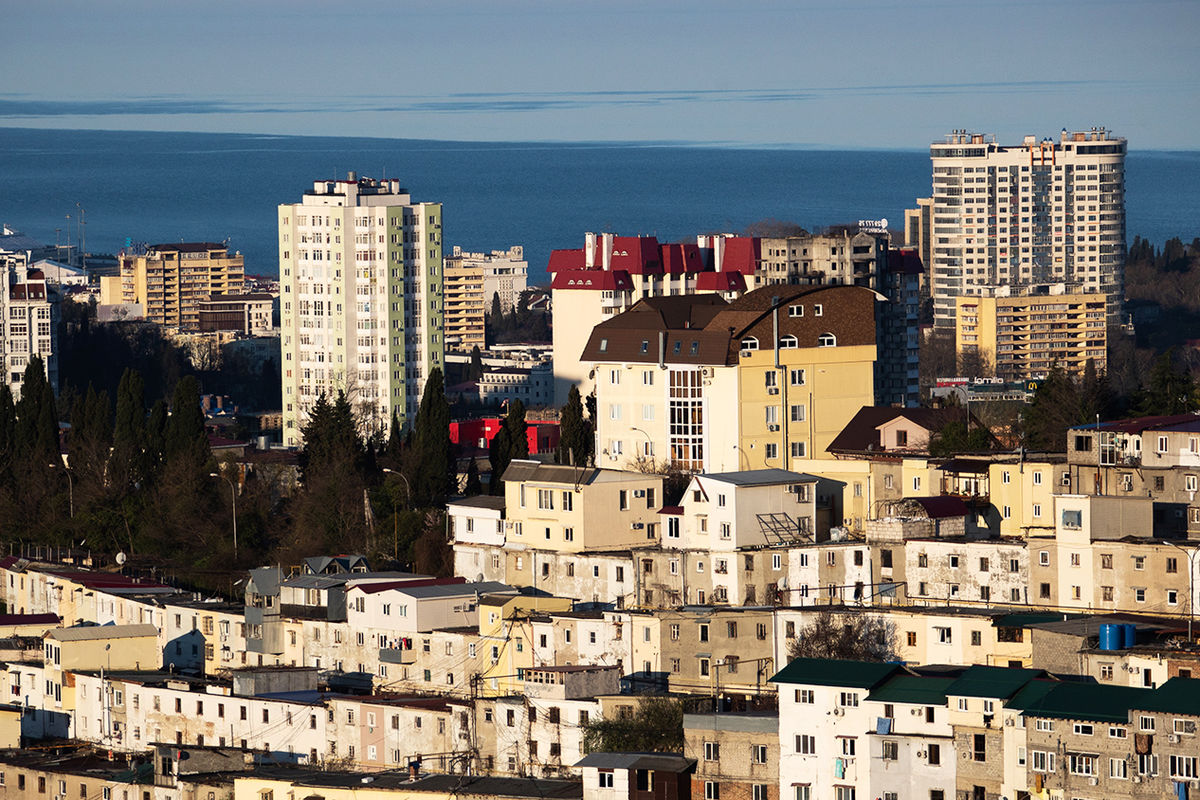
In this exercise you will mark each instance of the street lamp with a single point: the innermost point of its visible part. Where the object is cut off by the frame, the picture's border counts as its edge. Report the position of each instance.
(233, 496)
(646, 453)
(1191, 584)
(395, 519)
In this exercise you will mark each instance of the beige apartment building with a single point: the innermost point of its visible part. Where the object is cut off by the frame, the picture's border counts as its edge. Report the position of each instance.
(361, 278)
(465, 303)
(737, 752)
(170, 281)
(1025, 335)
(1043, 211)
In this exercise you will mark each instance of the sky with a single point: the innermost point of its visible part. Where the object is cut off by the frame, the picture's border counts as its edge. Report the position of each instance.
(892, 74)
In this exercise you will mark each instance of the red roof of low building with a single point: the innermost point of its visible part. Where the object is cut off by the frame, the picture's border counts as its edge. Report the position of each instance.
(905, 261)
(637, 254)
(721, 282)
(593, 279)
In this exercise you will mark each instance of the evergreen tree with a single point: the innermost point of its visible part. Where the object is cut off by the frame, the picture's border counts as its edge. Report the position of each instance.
(1170, 391)
(395, 442)
(129, 432)
(518, 436)
(499, 455)
(434, 468)
(475, 372)
(1054, 409)
(156, 436)
(576, 440)
(497, 309)
(185, 425)
(474, 485)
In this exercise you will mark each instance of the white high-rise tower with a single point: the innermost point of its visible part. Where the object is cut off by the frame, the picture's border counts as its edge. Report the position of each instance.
(360, 271)
(1036, 213)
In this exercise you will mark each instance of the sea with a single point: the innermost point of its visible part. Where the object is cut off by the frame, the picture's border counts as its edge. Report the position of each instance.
(131, 187)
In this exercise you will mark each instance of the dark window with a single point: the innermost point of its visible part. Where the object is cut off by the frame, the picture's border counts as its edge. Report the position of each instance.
(935, 754)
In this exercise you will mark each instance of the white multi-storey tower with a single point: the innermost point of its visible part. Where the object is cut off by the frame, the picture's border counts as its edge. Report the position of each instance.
(360, 270)
(1039, 212)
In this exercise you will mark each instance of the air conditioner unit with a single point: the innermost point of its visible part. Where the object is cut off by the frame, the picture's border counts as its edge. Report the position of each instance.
(837, 712)
(1008, 723)
(707, 372)
(772, 428)
(1173, 739)
(1136, 779)
(1093, 781)
(637, 526)
(639, 492)
(772, 390)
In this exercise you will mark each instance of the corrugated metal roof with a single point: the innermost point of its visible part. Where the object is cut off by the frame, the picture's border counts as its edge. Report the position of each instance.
(836, 672)
(94, 632)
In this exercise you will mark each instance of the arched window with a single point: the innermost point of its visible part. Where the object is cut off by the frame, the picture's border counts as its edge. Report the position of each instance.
(749, 343)
(788, 342)
(826, 340)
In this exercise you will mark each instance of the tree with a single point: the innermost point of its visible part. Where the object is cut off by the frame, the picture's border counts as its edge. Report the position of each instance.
(1170, 390)
(475, 370)
(433, 469)
(129, 432)
(656, 726)
(853, 636)
(474, 485)
(518, 429)
(499, 456)
(1054, 409)
(184, 435)
(954, 438)
(497, 312)
(576, 440)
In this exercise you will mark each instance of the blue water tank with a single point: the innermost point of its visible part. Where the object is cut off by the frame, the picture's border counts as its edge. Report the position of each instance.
(1128, 635)
(1110, 637)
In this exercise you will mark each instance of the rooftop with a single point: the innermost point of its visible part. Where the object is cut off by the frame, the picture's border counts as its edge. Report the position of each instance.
(760, 477)
(836, 672)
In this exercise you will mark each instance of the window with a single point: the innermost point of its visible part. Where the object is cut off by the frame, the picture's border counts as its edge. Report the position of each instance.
(1183, 767)
(891, 750)
(1083, 729)
(1037, 478)
(826, 340)
(712, 790)
(712, 751)
(934, 754)
(1044, 558)
(806, 745)
(758, 753)
(805, 696)
(1118, 768)
(1042, 761)
(848, 699)
(797, 377)
(606, 775)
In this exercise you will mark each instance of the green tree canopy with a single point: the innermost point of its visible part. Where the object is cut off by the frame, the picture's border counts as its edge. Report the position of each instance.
(656, 726)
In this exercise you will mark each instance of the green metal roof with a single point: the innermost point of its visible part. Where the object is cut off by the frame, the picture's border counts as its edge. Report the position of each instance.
(912, 689)
(998, 682)
(836, 672)
(1178, 696)
(1030, 694)
(1089, 701)
(1025, 620)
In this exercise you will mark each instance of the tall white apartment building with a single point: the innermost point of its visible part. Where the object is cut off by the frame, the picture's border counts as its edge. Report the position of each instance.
(1042, 211)
(28, 322)
(360, 272)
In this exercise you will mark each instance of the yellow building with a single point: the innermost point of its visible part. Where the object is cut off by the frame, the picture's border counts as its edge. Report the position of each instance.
(464, 305)
(766, 381)
(506, 636)
(170, 280)
(1024, 336)
(1023, 494)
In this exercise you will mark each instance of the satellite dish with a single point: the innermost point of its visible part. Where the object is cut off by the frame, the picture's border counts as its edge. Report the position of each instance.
(121, 559)
(883, 223)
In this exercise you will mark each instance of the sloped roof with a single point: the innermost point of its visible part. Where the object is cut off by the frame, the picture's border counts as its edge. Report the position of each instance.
(666, 762)
(917, 689)
(1089, 701)
(1178, 696)
(837, 672)
(94, 632)
(861, 433)
(760, 477)
(988, 681)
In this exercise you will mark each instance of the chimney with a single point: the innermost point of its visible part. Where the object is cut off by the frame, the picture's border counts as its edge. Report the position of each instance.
(606, 242)
(352, 176)
(589, 249)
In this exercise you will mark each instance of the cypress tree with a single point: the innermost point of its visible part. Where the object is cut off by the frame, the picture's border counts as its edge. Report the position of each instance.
(434, 467)
(129, 431)
(474, 485)
(517, 430)
(499, 455)
(185, 425)
(575, 432)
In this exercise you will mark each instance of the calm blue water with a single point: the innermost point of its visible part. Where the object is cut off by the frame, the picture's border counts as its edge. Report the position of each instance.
(159, 187)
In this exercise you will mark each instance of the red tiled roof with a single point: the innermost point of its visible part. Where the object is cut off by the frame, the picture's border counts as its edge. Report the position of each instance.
(594, 279)
(1139, 424)
(721, 282)
(741, 255)
(681, 258)
(637, 254)
(565, 259)
(941, 506)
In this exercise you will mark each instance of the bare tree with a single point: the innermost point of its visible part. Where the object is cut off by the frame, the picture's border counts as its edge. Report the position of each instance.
(845, 635)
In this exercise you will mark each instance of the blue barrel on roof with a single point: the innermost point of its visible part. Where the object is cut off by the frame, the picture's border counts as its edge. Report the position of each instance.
(1110, 637)
(1128, 635)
